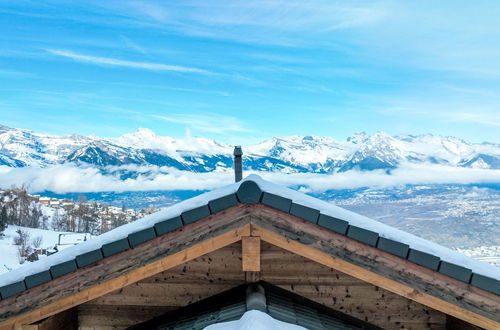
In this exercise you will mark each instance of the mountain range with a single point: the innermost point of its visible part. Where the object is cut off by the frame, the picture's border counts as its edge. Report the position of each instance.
(21, 148)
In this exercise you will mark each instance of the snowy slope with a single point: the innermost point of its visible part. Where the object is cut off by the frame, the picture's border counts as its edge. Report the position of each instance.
(8, 255)
(145, 138)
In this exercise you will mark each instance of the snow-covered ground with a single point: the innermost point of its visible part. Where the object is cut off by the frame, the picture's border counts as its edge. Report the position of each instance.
(8, 250)
(254, 320)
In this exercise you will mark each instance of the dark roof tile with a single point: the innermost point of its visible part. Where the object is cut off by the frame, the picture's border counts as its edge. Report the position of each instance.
(486, 283)
(37, 279)
(363, 235)
(88, 258)
(141, 236)
(394, 247)
(304, 212)
(249, 193)
(457, 272)
(115, 247)
(277, 202)
(12, 289)
(63, 268)
(337, 225)
(167, 226)
(195, 214)
(222, 203)
(424, 259)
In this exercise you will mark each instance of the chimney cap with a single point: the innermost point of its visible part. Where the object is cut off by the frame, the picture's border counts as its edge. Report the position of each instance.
(237, 151)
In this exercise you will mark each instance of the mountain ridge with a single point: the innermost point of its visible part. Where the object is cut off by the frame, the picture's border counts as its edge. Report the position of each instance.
(289, 154)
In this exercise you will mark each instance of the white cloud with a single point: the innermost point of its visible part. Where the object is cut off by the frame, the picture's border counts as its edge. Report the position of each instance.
(128, 64)
(69, 178)
(207, 122)
(409, 174)
(155, 11)
(270, 21)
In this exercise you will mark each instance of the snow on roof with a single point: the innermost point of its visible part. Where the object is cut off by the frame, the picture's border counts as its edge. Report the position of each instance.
(114, 235)
(297, 197)
(383, 230)
(255, 320)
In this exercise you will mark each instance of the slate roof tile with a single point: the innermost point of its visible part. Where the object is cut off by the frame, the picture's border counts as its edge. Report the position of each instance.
(424, 259)
(195, 214)
(304, 212)
(168, 225)
(363, 235)
(141, 236)
(277, 202)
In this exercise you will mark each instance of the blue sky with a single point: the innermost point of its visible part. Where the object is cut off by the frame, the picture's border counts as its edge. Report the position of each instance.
(240, 72)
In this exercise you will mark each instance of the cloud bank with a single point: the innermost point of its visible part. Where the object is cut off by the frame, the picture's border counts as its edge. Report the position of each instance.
(70, 178)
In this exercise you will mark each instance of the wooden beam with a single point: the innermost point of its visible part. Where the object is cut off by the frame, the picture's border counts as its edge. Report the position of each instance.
(67, 320)
(128, 278)
(251, 254)
(373, 278)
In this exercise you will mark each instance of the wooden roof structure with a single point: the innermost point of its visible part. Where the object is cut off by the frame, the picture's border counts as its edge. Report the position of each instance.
(246, 234)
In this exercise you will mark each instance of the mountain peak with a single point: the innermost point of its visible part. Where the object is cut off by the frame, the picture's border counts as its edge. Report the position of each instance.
(146, 132)
(358, 137)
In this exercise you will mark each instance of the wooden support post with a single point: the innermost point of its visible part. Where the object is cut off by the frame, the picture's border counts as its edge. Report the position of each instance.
(251, 254)
(252, 277)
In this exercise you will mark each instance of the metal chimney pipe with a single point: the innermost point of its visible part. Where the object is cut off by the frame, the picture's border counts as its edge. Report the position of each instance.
(238, 167)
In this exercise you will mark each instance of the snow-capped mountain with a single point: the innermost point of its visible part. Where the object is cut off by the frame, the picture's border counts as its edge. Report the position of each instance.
(20, 147)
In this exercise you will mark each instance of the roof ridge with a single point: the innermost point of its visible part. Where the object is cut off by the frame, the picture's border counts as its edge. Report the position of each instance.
(254, 189)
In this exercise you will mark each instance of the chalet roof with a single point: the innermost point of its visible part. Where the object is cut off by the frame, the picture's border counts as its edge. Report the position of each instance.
(252, 190)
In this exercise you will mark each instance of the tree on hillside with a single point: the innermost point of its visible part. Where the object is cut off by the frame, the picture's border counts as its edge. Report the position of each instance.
(58, 222)
(3, 219)
(23, 248)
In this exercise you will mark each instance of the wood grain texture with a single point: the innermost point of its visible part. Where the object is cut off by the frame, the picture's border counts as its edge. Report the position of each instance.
(102, 317)
(251, 254)
(67, 320)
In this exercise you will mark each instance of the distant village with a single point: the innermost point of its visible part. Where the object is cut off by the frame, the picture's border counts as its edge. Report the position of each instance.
(76, 221)
(82, 216)
(105, 212)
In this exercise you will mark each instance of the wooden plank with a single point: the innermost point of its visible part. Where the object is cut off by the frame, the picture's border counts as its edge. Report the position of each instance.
(67, 320)
(12, 319)
(250, 254)
(219, 267)
(162, 294)
(383, 282)
(115, 317)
